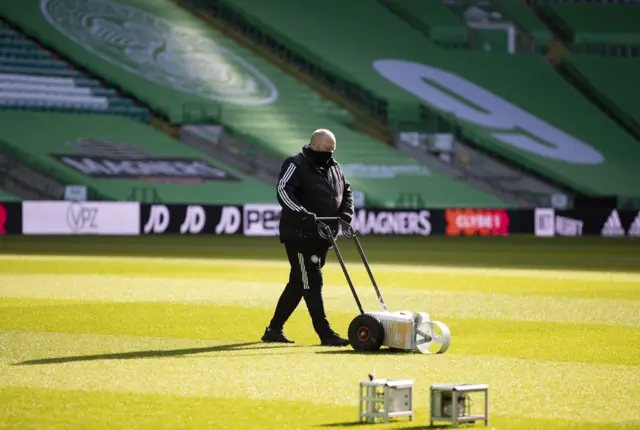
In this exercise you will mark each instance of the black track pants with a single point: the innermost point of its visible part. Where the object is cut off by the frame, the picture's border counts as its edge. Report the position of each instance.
(305, 281)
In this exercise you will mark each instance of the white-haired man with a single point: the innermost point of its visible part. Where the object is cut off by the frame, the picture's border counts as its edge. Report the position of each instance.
(311, 185)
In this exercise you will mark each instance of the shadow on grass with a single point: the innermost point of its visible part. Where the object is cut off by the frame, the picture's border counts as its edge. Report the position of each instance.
(133, 355)
(445, 426)
(405, 422)
(385, 351)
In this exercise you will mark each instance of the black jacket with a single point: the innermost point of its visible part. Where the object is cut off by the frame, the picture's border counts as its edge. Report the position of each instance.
(305, 188)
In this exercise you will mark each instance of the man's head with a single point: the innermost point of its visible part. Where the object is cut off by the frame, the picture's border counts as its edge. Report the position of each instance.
(323, 140)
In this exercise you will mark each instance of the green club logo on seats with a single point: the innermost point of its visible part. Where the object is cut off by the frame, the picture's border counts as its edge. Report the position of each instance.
(147, 45)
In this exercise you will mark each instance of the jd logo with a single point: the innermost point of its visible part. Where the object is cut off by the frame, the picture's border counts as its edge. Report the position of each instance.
(147, 45)
(230, 220)
(476, 105)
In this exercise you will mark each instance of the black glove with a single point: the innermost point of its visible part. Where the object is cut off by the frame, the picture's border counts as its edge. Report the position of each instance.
(310, 220)
(346, 217)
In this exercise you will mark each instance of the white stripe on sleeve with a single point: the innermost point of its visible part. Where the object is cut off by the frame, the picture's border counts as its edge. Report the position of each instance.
(283, 195)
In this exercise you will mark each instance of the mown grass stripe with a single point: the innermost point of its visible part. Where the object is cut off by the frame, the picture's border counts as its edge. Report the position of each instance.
(583, 284)
(520, 252)
(587, 343)
(191, 328)
(57, 408)
(8, 262)
(445, 304)
(291, 374)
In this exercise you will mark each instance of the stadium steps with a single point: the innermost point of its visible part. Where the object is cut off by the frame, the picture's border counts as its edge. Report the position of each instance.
(25, 180)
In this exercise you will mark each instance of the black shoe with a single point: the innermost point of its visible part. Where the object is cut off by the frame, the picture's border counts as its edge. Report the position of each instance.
(334, 340)
(271, 335)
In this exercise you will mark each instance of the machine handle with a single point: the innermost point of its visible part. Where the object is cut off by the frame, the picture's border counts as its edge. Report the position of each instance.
(325, 231)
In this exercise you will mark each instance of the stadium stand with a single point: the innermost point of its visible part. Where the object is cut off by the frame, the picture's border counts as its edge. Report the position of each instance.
(605, 29)
(115, 156)
(527, 21)
(251, 97)
(434, 20)
(489, 22)
(31, 79)
(537, 3)
(5, 196)
(613, 83)
(575, 144)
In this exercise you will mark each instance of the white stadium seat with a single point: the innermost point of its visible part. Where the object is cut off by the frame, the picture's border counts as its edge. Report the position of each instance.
(54, 100)
(28, 90)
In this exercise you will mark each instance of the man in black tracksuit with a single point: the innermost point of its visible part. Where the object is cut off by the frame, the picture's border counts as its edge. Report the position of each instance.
(311, 185)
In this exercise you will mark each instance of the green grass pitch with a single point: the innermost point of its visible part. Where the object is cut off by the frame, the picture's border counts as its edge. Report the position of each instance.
(158, 332)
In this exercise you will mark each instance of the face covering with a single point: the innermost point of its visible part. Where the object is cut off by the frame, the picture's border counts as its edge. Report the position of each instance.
(320, 158)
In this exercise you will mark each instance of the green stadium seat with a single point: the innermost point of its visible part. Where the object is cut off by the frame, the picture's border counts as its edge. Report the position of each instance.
(608, 50)
(613, 81)
(595, 24)
(17, 44)
(9, 34)
(257, 102)
(38, 71)
(139, 113)
(538, 3)
(117, 101)
(56, 134)
(525, 19)
(22, 53)
(86, 82)
(433, 19)
(104, 92)
(30, 86)
(574, 143)
(7, 37)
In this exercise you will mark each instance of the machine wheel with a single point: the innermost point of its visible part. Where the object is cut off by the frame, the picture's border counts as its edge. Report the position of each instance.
(366, 333)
